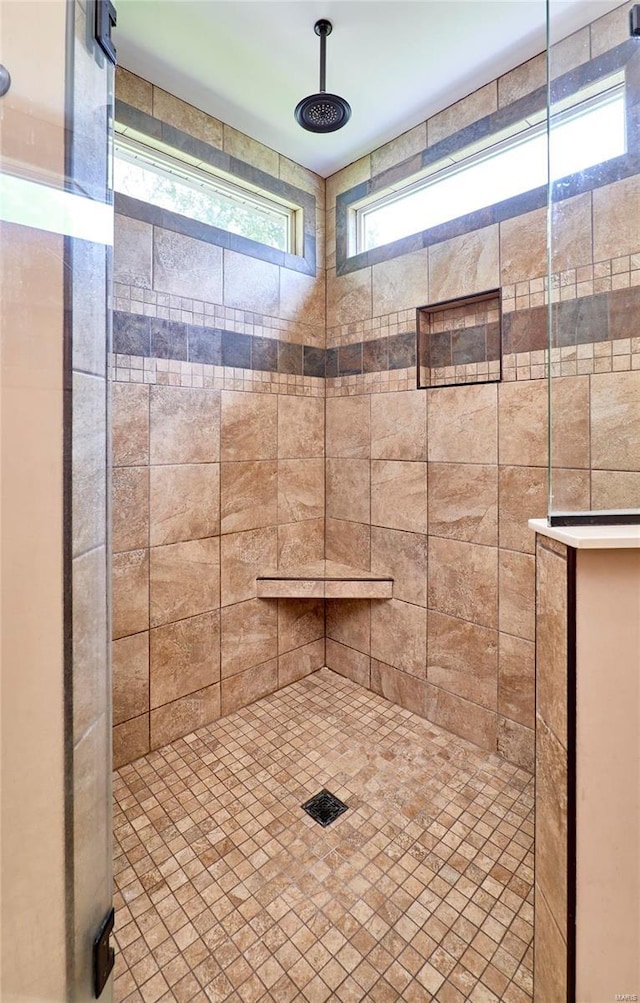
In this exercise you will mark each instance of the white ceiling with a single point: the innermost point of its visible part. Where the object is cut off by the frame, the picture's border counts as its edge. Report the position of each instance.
(249, 62)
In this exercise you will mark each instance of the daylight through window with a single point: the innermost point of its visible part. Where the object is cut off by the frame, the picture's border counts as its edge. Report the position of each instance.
(192, 190)
(584, 132)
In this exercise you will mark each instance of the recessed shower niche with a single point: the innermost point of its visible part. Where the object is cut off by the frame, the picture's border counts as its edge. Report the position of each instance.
(460, 341)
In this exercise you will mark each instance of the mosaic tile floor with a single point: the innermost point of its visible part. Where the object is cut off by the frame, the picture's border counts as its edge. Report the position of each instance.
(227, 890)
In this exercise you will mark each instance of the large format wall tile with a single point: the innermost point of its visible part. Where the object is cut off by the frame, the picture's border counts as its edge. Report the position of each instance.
(349, 297)
(399, 635)
(300, 621)
(407, 690)
(248, 426)
(517, 594)
(399, 426)
(248, 495)
(523, 424)
(401, 283)
(89, 483)
(184, 657)
(403, 556)
(349, 622)
(130, 607)
(348, 662)
(294, 665)
(551, 821)
(130, 675)
(464, 265)
(615, 421)
(185, 425)
(184, 580)
(300, 490)
(463, 502)
(170, 109)
(90, 642)
(184, 502)
(523, 496)
(516, 679)
(129, 424)
(399, 495)
(132, 244)
(242, 557)
(130, 508)
(550, 958)
(523, 246)
(300, 427)
(300, 544)
(183, 266)
(570, 445)
(463, 659)
(348, 543)
(462, 717)
(348, 426)
(615, 489)
(616, 210)
(249, 635)
(250, 284)
(517, 743)
(181, 717)
(130, 740)
(551, 640)
(463, 580)
(463, 424)
(348, 489)
(246, 687)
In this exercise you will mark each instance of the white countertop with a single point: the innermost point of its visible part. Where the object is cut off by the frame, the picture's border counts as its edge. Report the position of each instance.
(590, 537)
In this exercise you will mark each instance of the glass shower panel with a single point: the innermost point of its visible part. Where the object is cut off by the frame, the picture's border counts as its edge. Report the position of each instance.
(56, 232)
(89, 259)
(594, 270)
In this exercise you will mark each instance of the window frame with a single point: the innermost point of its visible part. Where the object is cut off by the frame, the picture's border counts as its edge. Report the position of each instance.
(157, 134)
(167, 162)
(532, 104)
(580, 102)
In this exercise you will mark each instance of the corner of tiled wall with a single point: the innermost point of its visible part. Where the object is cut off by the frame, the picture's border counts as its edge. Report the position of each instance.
(434, 487)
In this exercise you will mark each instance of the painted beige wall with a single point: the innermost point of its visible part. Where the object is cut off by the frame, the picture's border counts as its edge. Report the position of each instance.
(32, 827)
(608, 774)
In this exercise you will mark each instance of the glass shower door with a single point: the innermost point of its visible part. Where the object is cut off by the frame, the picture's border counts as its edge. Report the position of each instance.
(56, 225)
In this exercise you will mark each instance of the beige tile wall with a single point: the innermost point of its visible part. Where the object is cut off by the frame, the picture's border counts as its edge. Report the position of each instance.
(437, 486)
(217, 476)
(433, 486)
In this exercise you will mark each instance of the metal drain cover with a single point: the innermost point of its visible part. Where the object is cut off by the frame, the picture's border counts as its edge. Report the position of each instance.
(324, 807)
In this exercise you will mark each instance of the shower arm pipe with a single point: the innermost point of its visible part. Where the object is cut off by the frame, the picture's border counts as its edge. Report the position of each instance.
(323, 28)
(323, 62)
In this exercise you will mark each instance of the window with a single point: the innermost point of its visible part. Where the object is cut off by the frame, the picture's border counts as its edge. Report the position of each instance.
(586, 130)
(194, 190)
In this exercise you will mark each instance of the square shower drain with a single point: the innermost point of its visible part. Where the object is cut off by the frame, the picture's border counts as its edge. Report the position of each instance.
(324, 807)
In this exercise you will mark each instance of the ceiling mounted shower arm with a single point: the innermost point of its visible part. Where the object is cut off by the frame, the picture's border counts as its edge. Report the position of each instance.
(323, 28)
(323, 112)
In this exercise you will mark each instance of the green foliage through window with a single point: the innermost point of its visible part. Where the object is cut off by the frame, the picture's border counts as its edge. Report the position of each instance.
(170, 184)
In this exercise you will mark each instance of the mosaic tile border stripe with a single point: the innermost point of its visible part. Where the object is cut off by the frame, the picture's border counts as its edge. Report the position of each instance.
(591, 330)
(171, 372)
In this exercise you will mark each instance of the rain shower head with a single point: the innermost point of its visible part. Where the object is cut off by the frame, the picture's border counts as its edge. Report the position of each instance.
(323, 112)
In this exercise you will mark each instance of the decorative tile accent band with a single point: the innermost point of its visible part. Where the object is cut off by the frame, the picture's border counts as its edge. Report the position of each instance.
(170, 372)
(597, 326)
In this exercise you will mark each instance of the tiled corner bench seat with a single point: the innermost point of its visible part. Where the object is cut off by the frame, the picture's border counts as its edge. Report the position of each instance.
(324, 580)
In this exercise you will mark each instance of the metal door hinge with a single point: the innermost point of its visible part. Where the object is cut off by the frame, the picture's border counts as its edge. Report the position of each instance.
(106, 19)
(103, 955)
